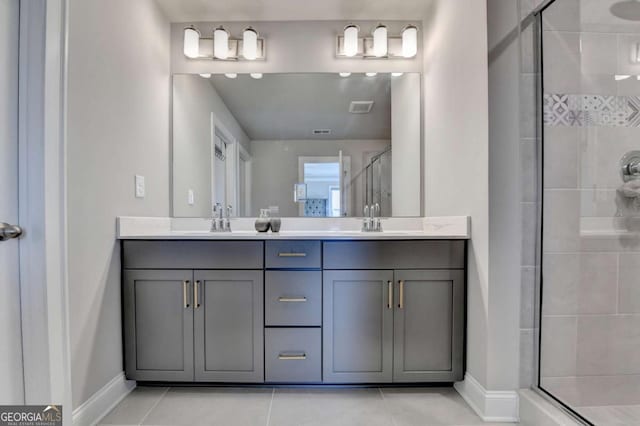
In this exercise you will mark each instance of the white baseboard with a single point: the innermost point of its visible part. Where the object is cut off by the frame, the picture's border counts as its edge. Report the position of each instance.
(103, 401)
(491, 406)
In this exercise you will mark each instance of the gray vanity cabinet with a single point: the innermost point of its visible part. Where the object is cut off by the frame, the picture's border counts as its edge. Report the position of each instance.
(228, 326)
(158, 332)
(428, 325)
(358, 326)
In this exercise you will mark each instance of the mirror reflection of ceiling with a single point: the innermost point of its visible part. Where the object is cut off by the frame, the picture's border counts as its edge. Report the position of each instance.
(292, 10)
(292, 106)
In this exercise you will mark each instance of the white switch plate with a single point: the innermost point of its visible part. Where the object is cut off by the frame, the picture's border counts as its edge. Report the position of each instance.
(140, 188)
(191, 198)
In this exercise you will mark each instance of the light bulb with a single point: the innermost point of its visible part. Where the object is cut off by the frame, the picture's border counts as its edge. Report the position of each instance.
(371, 74)
(409, 41)
(231, 75)
(351, 40)
(380, 41)
(256, 75)
(205, 75)
(396, 74)
(344, 74)
(191, 43)
(250, 44)
(620, 77)
(221, 43)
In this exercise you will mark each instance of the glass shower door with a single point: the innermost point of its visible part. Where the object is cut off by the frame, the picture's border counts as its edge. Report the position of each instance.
(590, 267)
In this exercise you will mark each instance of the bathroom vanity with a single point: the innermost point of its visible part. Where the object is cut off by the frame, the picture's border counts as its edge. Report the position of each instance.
(322, 306)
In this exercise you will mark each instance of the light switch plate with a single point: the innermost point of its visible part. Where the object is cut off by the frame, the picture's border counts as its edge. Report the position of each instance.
(140, 188)
(191, 198)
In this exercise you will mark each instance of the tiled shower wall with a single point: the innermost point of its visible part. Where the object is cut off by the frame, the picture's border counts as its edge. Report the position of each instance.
(590, 346)
(529, 153)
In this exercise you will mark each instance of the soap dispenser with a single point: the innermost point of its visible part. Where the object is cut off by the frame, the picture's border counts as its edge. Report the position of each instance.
(263, 223)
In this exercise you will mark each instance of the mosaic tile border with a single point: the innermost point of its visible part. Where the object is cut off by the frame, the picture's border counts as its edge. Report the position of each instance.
(591, 110)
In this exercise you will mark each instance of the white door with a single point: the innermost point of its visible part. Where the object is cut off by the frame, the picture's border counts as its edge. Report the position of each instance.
(11, 374)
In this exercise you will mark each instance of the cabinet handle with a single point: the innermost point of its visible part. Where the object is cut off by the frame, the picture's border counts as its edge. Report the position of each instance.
(292, 299)
(292, 357)
(185, 298)
(292, 254)
(390, 295)
(401, 302)
(196, 296)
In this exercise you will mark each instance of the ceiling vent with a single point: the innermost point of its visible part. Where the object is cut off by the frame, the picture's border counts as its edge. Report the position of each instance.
(360, 107)
(321, 131)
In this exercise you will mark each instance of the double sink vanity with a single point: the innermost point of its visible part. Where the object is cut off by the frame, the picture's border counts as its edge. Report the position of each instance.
(322, 305)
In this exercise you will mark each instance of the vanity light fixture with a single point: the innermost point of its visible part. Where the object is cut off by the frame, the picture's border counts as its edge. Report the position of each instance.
(396, 74)
(371, 74)
(351, 40)
(410, 41)
(221, 43)
(380, 42)
(231, 75)
(250, 44)
(222, 46)
(191, 42)
(256, 75)
(205, 75)
(344, 74)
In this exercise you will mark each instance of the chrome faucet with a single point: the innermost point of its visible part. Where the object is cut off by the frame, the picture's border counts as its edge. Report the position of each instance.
(220, 223)
(371, 220)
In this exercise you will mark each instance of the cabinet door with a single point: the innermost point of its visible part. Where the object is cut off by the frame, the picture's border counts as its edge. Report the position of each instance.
(158, 325)
(228, 326)
(428, 326)
(357, 326)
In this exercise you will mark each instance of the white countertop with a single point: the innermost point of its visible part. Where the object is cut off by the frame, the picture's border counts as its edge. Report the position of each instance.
(423, 228)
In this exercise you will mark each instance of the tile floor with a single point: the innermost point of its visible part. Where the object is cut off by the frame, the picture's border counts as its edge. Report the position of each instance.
(293, 406)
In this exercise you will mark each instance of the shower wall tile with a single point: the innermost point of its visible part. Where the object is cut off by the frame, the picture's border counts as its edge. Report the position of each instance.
(598, 203)
(528, 158)
(626, 65)
(526, 357)
(580, 283)
(558, 347)
(528, 116)
(529, 233)
(561, 216)
(588, 390)
(629, 283)
(561, 157)
(527, 296)
(599, 54)
(608, 345)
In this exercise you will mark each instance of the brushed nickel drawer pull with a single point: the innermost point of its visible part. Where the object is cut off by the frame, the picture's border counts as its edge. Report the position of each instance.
(185, 299)
(196, 296)
(292, 254)
(292, 357)
(390, 295)
(292, 299)
(401, 303)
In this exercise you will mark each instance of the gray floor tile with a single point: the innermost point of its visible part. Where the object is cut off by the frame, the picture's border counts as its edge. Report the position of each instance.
(212, 406)
(136, 405)
(329, 407)
(428, 407)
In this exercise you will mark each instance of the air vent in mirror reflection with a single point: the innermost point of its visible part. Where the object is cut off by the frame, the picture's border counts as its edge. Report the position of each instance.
(360, 107)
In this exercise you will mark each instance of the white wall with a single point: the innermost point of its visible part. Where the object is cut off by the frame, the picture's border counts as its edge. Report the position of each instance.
(406, 127)
(12, 387)
(307, 46)
(456, 146)
(275, 169)
(194, 99)
(118, 126)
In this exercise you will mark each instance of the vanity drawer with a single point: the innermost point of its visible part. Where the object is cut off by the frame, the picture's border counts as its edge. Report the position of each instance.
(192, 254)
(394, 254)
(293, 355)
(293, 298)
(293, 254)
